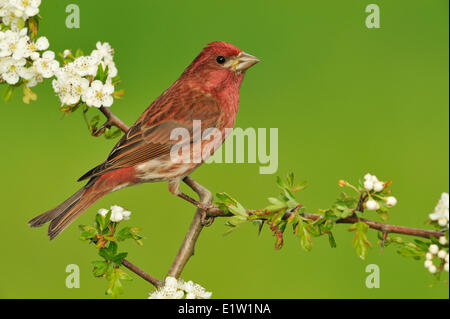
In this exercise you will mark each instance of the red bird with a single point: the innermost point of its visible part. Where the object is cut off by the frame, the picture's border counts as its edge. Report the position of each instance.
(208, 90)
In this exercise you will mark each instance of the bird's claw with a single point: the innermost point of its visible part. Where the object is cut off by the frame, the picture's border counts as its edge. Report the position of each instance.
(205, 219)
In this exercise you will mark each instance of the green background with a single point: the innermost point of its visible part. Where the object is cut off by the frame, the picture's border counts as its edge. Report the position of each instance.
(346, 99)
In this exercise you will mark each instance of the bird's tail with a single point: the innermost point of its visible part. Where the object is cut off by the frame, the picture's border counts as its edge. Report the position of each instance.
(64, 214)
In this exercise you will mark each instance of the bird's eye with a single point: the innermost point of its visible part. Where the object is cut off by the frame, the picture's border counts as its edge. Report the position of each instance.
(220, 59)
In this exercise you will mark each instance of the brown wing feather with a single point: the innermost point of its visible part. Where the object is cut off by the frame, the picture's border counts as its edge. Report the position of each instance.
(149, 137)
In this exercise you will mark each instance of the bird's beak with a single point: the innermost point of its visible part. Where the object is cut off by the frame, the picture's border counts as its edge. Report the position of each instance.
(245, 61)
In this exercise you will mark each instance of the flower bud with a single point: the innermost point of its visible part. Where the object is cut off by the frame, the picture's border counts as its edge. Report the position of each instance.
(429, 256)
(442, 221)
(442, 253)
(433, 249)
(368, 185)
(432, 269)
(103, 212)
(391, 201)
(372, 205)
(443, 240)
(446, 267)
(428, 263)
(342, 183)
(378, 186)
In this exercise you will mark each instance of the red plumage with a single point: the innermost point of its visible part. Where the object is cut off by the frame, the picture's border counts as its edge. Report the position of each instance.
(208, 90)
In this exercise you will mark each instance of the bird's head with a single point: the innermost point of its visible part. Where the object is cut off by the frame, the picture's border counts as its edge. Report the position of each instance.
(221, 63)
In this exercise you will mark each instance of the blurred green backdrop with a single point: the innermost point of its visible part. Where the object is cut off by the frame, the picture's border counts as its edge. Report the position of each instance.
(347, 100)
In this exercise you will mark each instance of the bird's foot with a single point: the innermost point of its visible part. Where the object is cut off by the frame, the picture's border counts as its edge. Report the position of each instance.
(205, 219)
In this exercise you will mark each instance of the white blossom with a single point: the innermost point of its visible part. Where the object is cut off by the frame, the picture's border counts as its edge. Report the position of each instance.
(195, 291)
(441, 211)
(29, 7)
(14, 44)
(82, 69)
(34, 56)
(69, 87)
(443, 221)
(13, 10)
(103, 52)
(178, 289)
(85, 65)
(103, 211)
(433, 249)
(391, 201)
(31, 76)
(443, 240)
(119, 213)
(446, 266)
(432, 269)
(378, 186)
(371, 182)
(46, 65)
(372, 205)
(368, 185)
(99, 94)
(10, 69)
(42, 44)
(442, 253)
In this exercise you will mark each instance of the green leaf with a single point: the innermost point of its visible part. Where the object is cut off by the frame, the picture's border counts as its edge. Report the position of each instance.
(79, 53)
(100, 268)
(112, 248)
(331, 240)
(124, 276)
(115, 287)
(118, 258)
(111, 133)
(8, 93)
(302, 232)
(104, 252)
(124, 233)
(226, 202)
(411, 250)
(94, 121)
(422, 245)
(236, 220)
(360, 241)
(383, 213)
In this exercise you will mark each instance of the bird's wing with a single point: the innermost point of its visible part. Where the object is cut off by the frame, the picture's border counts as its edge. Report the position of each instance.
(149, 137)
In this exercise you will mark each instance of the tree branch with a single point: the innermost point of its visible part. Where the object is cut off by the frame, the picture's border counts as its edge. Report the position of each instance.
(187, 247)
(186, 250)
(138, 271)
(384, 228)
(112, 119)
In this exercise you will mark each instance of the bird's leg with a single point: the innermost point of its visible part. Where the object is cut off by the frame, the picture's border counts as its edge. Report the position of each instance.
(204, 194)
(205, 198)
